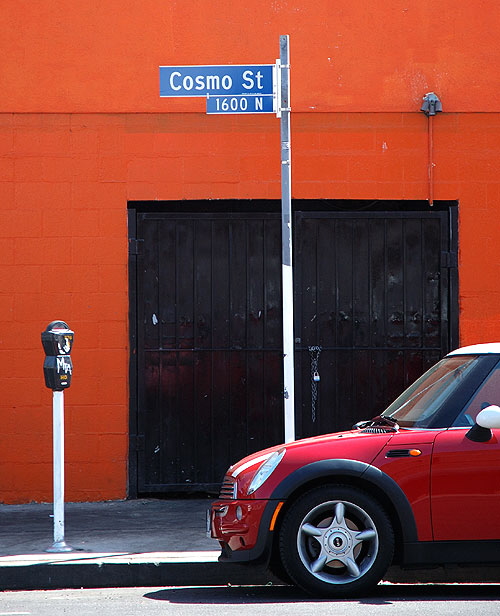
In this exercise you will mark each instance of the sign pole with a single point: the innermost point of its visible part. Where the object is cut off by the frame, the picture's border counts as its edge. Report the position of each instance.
(286, 239)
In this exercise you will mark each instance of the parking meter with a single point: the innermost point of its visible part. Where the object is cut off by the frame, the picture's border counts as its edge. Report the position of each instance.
(57, 341)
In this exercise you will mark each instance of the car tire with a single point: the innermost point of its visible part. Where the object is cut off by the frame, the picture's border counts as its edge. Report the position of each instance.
(336, 541)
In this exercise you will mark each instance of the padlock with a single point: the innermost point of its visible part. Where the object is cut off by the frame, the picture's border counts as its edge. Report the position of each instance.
(316, 377)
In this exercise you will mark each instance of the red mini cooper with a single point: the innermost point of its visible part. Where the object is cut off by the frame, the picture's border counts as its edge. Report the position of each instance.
(417, 486)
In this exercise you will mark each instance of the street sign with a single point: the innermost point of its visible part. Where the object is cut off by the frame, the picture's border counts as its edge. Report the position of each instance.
(254, 88)
(218, 80)
(241, 104)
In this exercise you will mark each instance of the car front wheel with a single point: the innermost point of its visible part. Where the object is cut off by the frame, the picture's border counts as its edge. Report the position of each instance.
(336, 541)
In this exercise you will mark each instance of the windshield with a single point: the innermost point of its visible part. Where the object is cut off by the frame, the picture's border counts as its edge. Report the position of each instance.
(418, 405)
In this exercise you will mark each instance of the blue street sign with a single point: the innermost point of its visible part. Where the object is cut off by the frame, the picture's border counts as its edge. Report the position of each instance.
(220, 80)
(240, 104)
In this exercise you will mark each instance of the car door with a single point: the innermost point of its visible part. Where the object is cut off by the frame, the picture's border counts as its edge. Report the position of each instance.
(465, 475)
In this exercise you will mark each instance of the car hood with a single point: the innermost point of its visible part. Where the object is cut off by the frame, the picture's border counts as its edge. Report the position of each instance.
(353, 445)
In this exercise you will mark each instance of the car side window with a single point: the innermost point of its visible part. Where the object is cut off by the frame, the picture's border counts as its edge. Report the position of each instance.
(488, 393)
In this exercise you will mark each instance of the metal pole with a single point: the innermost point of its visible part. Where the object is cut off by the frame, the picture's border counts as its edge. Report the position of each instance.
(286, 238)
(59, 544)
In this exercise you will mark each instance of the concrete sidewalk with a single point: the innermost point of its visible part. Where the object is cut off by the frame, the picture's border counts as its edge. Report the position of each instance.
(146, 542)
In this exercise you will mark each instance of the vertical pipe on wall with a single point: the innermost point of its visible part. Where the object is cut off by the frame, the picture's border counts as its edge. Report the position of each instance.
(430, 106)
(430, 140)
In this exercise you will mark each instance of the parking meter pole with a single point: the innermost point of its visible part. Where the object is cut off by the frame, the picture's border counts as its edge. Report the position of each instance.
(59, 544)
(286, 238)
(58, 446)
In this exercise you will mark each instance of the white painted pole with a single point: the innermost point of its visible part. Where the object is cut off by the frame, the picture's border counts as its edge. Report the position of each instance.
(59, 544)
(286, 238)
(58, 444)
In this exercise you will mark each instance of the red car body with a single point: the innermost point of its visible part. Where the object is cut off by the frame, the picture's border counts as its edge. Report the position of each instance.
(428, 467)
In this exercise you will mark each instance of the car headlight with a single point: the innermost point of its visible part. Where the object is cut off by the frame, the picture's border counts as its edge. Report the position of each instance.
(265, 469)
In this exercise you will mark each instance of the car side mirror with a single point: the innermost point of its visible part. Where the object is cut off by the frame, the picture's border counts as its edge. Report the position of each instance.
(486, 419)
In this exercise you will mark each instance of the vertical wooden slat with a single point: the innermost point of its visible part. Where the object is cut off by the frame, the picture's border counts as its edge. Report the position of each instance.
(220, 392)
(166, 245)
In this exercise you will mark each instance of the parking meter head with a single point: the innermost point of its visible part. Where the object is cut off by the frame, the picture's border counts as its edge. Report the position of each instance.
(57, 372)
(57, 342)
(57, 339)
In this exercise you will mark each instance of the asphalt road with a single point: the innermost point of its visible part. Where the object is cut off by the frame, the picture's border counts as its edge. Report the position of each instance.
(408, 600)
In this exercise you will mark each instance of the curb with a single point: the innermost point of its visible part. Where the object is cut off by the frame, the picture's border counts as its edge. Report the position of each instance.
(110, 575)
(53, 576)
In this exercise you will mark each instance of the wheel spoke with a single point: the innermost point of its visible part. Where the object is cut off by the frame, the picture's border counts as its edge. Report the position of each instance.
(352, 567)
(339, 514)
(365, 535)
(318, 564)
(311, 530)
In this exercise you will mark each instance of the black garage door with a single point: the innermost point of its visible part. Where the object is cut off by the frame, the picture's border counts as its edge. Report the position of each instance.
(375, 305)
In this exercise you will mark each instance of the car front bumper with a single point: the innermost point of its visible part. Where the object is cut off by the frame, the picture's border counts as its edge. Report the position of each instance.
(244, 528)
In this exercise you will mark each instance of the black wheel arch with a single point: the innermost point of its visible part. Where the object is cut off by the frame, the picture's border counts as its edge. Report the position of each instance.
(358, 474)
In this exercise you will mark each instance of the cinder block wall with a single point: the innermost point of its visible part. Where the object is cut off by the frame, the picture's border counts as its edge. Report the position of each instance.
(83, 131)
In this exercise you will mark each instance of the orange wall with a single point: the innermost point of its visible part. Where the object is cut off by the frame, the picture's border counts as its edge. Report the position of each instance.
(65, 181)
(70, 160)
(375, 55)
